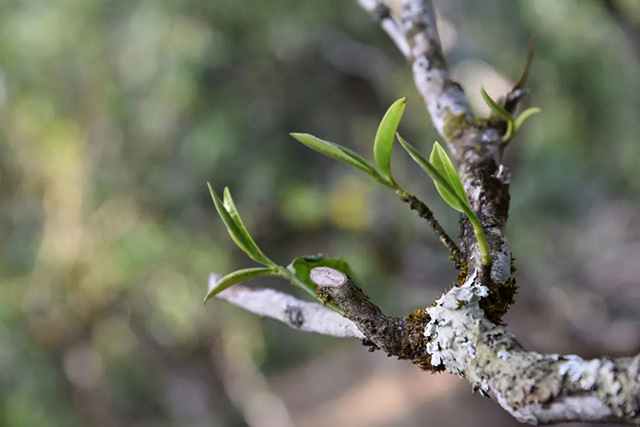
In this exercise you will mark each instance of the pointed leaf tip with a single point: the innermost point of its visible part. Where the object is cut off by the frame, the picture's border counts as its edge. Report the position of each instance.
(236, 277)
(385, 136)
(339, 152)
(497, 108)
(256, 254)
(446, 191)
(236, 228)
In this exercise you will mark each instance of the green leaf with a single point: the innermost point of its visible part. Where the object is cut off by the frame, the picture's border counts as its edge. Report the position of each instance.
(445, 189)
(237, 231)
(301, 267)
(525, 114)
(230, 206)
(440, 160)
(237, 277)
(449, 194)
(386, 135)
(341, 153)
(499, 109)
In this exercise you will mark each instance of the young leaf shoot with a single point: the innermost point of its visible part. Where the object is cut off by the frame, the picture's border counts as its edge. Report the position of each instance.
(236, 228)
(450, 188)
(385, 137)
(440, 160)
(513, 124)
(525, 114)
(231, 208)
(447, 192)
(497, 108)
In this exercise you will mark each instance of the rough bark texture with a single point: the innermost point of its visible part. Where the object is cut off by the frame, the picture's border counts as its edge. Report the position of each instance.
(534, 388)
(462, 331)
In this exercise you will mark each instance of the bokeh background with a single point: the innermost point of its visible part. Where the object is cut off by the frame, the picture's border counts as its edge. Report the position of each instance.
(114, 114)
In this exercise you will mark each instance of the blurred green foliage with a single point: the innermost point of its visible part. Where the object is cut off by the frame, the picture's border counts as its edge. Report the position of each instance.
(115, 114)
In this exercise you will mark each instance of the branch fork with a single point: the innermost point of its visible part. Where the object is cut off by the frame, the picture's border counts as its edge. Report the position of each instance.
(461, 332)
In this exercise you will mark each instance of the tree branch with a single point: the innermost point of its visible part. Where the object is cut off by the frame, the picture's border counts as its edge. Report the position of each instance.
(382, 14)
(533, 387)
(462, 331)
(476, 144)
(442, 95)
(388, 333)
(301, 315)
(424, 212)
(455, 335)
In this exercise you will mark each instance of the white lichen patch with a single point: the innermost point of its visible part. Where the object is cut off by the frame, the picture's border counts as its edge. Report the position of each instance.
(583, 371)
(453, 319)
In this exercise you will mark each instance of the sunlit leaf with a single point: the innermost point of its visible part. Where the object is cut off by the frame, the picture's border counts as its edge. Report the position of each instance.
(440, 160)
(240, 237)
(385, 136)
(445, 189)
(237, 277)
(525, 114)
(339, 152)
(499, 109)
(230, 206)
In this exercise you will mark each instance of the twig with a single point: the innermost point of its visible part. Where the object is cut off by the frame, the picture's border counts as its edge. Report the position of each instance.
(388, 333)
(382, 14)
(423, 211)
(519, 91)
(301, 315)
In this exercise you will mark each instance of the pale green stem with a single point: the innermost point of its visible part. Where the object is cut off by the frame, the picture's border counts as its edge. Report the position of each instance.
(480, 237)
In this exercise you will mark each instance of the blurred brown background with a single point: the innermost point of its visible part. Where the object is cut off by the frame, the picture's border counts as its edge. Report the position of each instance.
(114, 114)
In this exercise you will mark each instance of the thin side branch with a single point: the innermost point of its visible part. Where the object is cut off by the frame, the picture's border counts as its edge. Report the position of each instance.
(519, 91)
(382, 14)
(413, 38)
(297, 314)
(424, 212)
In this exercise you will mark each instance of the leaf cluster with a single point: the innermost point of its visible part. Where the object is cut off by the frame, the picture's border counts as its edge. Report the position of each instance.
(297, 272)
(439, 166)
(513, 123)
